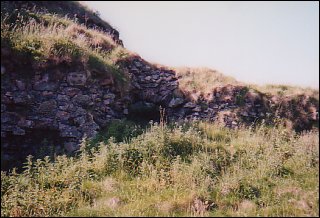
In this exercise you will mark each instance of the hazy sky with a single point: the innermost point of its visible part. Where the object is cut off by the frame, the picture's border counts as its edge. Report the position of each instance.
(258, 42)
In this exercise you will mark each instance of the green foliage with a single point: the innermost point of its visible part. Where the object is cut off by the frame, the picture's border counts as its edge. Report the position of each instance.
(240, 97)
(40, 40)
(172, 148)
(132, 161)
(96, 63)
(122, 130)
(214, 133)
(29, 50)
(90, 190)
(163, 171)
(63, 47)
(247, 191)
(221, 159)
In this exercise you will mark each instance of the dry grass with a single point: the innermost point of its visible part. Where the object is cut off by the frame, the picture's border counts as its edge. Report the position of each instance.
(286, 90)
(201, 80)
(42, 44)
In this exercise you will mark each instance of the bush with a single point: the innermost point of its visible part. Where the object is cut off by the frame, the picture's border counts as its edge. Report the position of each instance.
(174, 147)
(132, 161)
(122, 130)
(240, 98)
(96, 63)
(247, 191)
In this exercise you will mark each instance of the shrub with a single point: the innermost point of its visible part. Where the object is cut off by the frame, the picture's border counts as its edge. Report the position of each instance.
(132, 161)
(213, 132)
(240, 97)
(247, 191)
(96, 63)
(122, 130)
(174, 147)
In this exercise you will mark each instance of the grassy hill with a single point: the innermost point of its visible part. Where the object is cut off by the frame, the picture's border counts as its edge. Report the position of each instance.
(164, 169)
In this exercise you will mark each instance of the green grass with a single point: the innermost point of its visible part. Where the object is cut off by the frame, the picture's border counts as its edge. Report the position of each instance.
(240, 98)
(245, 172)
(61, 9)
(38, 41)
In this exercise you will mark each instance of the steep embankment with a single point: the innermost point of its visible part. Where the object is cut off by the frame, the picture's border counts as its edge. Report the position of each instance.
(64, 78)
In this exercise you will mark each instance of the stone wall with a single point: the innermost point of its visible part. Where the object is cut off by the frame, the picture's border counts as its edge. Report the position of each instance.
(230, 105)
(44, 111)
(71, 108)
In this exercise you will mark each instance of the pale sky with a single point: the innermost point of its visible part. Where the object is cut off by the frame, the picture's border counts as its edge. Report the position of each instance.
(256, 42)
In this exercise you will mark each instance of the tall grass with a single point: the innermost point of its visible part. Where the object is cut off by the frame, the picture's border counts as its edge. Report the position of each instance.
(286, 90)
(202, 80)
(43, 40)
(164, 171)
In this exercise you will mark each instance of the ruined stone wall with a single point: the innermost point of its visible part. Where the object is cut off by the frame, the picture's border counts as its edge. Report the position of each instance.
(44, 112)
(69, 109)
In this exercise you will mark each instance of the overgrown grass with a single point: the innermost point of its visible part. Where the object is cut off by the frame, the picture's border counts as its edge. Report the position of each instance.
(202, 80)
(244, 172)
(70, 9)
(286, 90)
(41, 41)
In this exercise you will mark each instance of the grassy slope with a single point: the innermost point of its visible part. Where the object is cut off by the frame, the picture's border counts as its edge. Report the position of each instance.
(69, 9)
(244, 172)
(36, 41)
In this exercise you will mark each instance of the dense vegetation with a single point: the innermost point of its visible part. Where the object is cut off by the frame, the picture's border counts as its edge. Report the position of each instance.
(162, 172)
